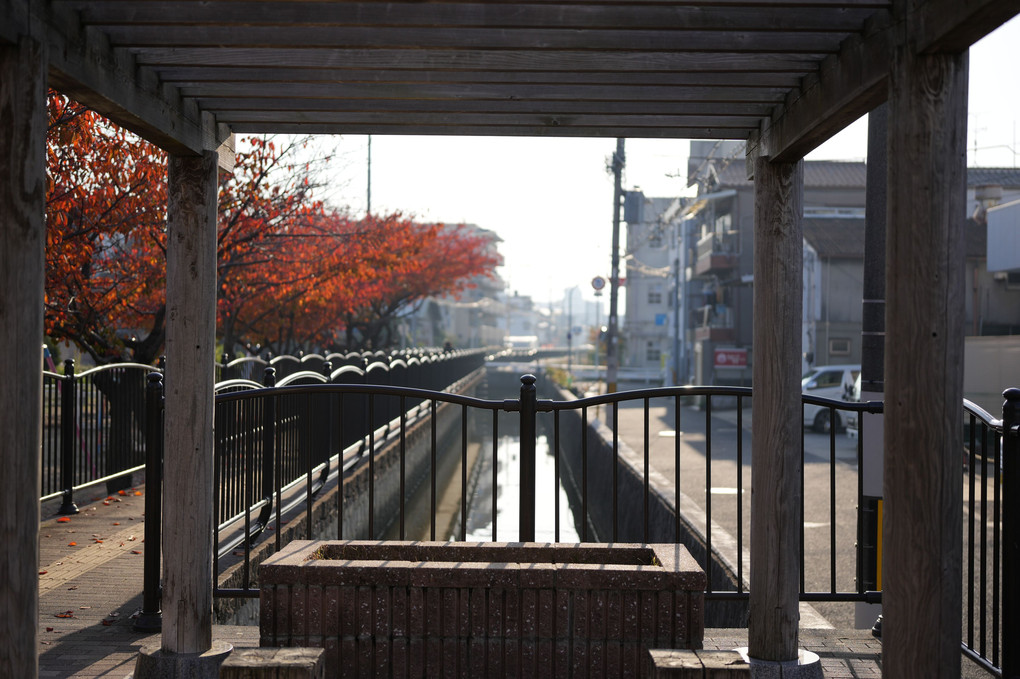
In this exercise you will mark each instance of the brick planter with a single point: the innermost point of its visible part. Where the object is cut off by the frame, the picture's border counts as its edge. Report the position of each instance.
(481, 609)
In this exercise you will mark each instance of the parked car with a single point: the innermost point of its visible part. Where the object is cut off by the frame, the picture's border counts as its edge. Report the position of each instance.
(828, 381)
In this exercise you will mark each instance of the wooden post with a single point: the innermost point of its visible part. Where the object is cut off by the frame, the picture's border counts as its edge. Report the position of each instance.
(776, 429)
(22, 267)
(922, 571)
(188, 437)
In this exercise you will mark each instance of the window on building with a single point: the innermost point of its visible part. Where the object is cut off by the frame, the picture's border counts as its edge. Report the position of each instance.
(652, 353)
(655, 293)
(839, 347)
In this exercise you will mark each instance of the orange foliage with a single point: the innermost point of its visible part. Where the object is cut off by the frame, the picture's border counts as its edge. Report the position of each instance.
(289, 271)
(105, 238)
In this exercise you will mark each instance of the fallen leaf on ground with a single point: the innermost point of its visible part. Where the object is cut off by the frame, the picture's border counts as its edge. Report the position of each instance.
(121, 492)
(106, 502)
(116, 523)
(108, 622)
(138, 492)
(63, 519)
(84, 608)
(73, 587)
(49, 629)
(99, 541)
(72, 544)
(135, 551)
(43, 572)
(65, 614)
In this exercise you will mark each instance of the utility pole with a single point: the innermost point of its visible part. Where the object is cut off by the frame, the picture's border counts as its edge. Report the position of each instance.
(570, 335)
(612, 353)
(368, 208)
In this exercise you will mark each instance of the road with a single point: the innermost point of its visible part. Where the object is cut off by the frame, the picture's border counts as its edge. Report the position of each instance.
(830, 498)
(830, 501)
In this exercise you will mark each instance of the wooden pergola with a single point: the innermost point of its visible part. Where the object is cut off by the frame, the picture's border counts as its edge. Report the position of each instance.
(784, 75)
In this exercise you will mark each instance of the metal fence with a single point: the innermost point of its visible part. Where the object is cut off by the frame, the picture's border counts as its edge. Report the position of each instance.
(93, 429)
(834, 486)
(991, 598)
(280, 444)
(94, 422)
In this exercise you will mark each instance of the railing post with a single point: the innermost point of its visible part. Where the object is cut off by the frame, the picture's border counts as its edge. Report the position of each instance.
(1010, 533)
(151, 617)
(528, 408)
(68, 415)
(268, 449)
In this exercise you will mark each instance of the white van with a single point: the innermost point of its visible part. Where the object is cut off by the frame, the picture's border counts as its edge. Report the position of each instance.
(828, 381)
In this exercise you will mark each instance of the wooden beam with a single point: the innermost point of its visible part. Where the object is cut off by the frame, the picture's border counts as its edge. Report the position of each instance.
(460, 91)
(188, 429)
(853, 82)
(15, 20)
(496, 131)
(681, 59)
(922, 536)
(785, 42)
(22, 267)
(847, 86)
(448, 118)
(83, 65)
(187, 76)
(468, 15)
(267, 106)
(952, 26)
(776, 430)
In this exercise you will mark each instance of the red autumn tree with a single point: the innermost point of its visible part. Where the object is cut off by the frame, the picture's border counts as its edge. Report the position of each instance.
(105, 236)
(414, 263)
(266, 217)
(362, 276)
(289, 271)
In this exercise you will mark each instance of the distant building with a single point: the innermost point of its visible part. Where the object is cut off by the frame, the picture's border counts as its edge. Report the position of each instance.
(645, 343)
(715, 249)
(689, 268)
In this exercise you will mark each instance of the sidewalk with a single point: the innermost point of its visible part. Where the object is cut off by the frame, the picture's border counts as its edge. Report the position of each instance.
(90, 585)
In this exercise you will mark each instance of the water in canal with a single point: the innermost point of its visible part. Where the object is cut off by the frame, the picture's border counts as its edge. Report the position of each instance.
(507, 495)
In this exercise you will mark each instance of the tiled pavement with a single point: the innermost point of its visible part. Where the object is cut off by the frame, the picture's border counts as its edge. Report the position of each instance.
(90, 585)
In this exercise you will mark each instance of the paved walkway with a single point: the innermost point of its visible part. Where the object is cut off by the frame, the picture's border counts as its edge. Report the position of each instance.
(90, 585)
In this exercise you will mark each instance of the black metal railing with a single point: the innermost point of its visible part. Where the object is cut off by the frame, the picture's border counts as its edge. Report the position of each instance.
(991, 598)
(93, 429)
(94, 422)
(279, 447)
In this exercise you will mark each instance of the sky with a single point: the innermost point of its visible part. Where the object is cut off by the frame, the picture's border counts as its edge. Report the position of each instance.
(550, 200)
